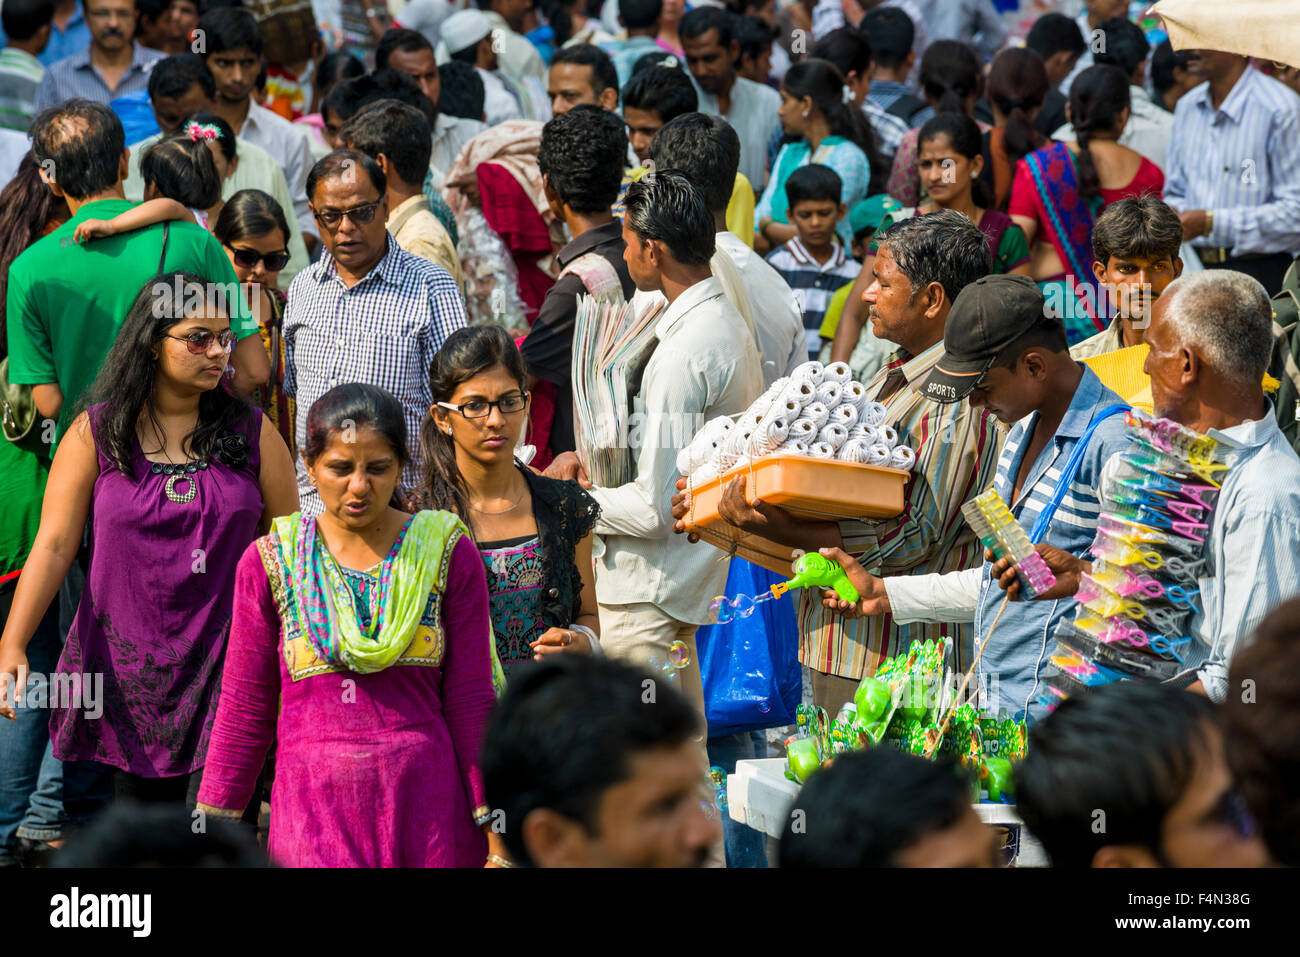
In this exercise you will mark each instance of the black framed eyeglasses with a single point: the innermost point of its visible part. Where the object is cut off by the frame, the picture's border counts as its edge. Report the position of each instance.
(248, 258)
(511, 404)
(362, 215)
(200, 342)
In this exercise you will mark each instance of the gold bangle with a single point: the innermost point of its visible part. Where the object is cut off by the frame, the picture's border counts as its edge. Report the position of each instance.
(1209, 222)
(500, 861)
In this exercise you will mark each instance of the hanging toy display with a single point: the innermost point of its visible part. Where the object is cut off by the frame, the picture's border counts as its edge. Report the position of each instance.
(1135, 606)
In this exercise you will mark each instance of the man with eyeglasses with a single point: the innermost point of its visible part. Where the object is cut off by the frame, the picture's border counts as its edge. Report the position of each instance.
(368, 311)
(1134, 775)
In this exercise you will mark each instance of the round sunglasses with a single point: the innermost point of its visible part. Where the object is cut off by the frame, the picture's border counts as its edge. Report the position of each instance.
(248, 258)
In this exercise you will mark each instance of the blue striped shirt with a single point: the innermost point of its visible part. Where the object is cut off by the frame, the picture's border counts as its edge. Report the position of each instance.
(74, 76)
(1243, 162)
(1009, 670)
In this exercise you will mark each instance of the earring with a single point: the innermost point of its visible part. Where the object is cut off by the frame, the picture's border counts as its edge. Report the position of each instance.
(805, 114)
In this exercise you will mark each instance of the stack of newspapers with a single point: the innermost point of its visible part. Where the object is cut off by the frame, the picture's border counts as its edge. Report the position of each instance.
(611, 343)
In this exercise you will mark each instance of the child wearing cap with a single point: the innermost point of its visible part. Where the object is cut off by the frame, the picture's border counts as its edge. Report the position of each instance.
(1003, 352)
(814, 262)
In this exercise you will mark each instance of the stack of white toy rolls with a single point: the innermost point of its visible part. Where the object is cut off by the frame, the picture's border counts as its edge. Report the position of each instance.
(817, 410)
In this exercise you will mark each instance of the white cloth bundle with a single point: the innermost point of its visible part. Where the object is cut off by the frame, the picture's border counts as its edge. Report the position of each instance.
(829, 392)
(821, 450)
(705, 473)
(856, 393)
(768, 436)
(704, 447)
(878, 455)
(834, 435)
(811, 371)
(846, 414)
(854, 450)
(803, 430)
(864, 433)
(818, 412)
(887, 436)
(781, 407)
(902, 458)
(872, 414)
(801, 391)
(838, 372)
(794, 447)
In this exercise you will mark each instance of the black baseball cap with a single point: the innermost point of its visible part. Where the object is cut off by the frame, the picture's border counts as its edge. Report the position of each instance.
(987, 316)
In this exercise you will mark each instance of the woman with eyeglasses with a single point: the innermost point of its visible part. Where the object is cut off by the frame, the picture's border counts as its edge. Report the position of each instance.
(363, 647)
(533, 533)
(255, 234)
(176, 474)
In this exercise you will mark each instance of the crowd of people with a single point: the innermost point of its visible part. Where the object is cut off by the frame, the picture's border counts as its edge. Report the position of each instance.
(297, 538)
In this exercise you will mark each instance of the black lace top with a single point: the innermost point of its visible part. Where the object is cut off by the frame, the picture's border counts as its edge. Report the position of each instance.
(564, 513)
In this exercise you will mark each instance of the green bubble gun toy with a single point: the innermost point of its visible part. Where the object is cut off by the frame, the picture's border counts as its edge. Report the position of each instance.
(812, 570)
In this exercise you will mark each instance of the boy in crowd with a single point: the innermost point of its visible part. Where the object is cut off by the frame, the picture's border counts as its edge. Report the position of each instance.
(814, 262)
(1134, 775)
(755, 45)
(653, 98)
(884, 808)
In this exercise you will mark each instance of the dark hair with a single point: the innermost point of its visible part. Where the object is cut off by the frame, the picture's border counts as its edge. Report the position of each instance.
(669, 208)
(399, 131)
(1140, 226)
(84, 140)
(125, 382)
(640, 14)
(665, 90)
(1128, 748)
(870, 806)
(1047, 332)
(754, 36)
(182, 169)
(336, 67)
(230, 28)
(847, 48)
(349, 96)
(359, 406)
(1097, 98)
(951, 74)
(399, 39)
(1055, 33)
(26, 207)
(813, 183)
(173, 76)
(892, 35)
(943, 247)
(703, 148)
(1017, 86)
(465, 354)
(23, 19)
(1126, 45)
(467, 54)
(248, 214)
(131, 834)
(663, 58)
(1262, 733)
(963, 135)
(565, 733)
(701, 20)
(1164, 61)
(603, 75)
(226, 142)
(151, 9)
(462, 91)
(824, 84)
(341, 161)
(581, 155)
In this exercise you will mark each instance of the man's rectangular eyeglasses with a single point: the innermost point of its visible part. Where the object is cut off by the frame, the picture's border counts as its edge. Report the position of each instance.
(480, 408)
(200, 342)
(360, 215)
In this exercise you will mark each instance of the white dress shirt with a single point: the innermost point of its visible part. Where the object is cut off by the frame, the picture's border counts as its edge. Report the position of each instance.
(778, 321)
(450, 133)
(499, 101)
(753, 117)
(704, 365)
(290, 147)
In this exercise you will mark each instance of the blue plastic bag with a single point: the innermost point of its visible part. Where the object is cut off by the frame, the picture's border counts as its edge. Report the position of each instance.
(750, 666)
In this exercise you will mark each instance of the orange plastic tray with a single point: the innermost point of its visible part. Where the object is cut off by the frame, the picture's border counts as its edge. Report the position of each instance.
(820, 489)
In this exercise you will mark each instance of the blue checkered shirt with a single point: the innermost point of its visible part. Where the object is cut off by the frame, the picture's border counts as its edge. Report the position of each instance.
(384, 331)
(75, 77)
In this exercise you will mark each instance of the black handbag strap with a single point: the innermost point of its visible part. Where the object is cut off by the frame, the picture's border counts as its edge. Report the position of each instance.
(162, 257)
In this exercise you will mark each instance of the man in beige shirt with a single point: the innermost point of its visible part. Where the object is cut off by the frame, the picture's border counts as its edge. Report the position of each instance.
(397, 136)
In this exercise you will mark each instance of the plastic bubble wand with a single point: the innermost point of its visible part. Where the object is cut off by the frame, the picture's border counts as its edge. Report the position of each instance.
(811, 570)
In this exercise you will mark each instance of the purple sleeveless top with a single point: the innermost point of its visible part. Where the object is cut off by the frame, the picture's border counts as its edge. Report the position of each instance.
(155, 613)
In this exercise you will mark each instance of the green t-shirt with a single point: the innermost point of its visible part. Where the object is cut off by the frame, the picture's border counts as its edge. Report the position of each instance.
(23, 471)
(67, 300)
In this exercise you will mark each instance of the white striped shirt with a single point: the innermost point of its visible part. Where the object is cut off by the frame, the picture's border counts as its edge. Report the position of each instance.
(384, 331)
(1243, 162)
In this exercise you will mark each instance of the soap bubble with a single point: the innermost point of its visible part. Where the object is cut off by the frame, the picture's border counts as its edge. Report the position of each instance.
(679, 654)
(764, 706)
(720, 610)
(717, 777)
(742, 606)
(720, 800)
(667, 671)
(654, 663)
(709, 810)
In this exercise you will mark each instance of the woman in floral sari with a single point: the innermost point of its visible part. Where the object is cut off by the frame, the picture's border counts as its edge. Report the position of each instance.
(362, 643)
(1059, 190)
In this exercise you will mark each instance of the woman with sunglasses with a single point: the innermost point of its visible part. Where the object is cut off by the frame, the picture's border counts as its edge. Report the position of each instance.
(255, 234)
(533, 533)
(176, 474)
(363, 647)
